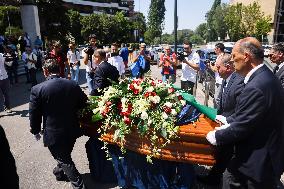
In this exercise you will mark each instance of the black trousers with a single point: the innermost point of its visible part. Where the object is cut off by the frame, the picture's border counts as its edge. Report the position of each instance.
(187, 86)
(32, 74)
(233, 179)
(62, 154)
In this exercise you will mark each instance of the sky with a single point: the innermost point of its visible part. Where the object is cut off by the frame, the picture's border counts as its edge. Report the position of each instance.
(190, 13)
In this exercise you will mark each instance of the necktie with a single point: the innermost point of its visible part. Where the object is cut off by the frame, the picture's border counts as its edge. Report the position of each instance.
(275, 69)
(223, 87)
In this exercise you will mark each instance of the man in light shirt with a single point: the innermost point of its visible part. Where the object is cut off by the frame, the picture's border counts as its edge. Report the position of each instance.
(190, 66)
(116, 60)
(219, 50)
(256, 128)
(4, 86)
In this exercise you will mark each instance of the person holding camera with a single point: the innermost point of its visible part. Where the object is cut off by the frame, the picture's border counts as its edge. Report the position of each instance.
(116, 60)
(190, 65)
(73, 58)
(87, 60)
(167, 62)
(141, 62)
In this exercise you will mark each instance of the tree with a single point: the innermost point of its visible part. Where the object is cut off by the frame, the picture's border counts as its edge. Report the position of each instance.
(196, 39)
(218, 23)
(201, 30)
(9, 15)
(139, 24)
(245, 21)
(53, 19)
(212, 35)
(75, 25)
(156, 17)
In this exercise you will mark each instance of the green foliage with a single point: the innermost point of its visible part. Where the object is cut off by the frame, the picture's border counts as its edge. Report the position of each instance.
(139, 23)
(156, 17)
(201, 30)
(184, 35)
(75, 25)
(196, 39)
(211, 32)
(9, 14)
(53, 19)
(13, 31)
(218, 23)
(245, 21)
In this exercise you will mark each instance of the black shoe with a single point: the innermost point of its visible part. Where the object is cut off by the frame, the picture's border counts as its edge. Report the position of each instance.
(63, 178)
(209, 180)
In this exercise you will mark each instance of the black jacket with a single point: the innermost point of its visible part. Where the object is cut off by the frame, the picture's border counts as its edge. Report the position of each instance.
(257, 129)
(104, 74)
(9, 176)
(280, 75)
(228, 97)
(55, 103)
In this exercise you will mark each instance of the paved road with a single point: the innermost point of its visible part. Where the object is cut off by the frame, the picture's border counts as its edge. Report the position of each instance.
(34, 162)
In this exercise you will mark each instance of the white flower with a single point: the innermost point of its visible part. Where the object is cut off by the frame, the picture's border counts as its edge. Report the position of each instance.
(150, 121)
(165, 124)
(164, 115)
(139, 88)
(150, 89)
(183, 102)
(168, 104)
(156, 99)
(173, 112)
(144, 115)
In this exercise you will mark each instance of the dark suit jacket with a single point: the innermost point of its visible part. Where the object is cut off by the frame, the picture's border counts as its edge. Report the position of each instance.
(230, 95)
(104, 74)
(280, 75)
(9, 176)
(257, 129)
(56, 102)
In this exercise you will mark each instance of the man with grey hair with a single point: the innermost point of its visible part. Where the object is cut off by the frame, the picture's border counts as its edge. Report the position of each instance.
(276, 55)
(256, 127)
(231, 87)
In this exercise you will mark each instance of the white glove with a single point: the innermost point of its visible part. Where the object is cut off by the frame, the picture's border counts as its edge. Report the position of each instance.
(221, 119)
(211, 137)
(37, 137)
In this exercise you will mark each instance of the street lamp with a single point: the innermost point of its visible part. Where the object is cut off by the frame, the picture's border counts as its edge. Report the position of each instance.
(175, 25)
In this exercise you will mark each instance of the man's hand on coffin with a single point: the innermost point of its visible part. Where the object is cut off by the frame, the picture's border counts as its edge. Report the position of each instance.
(221, 119)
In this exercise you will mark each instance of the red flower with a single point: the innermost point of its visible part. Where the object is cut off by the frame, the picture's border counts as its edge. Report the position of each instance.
(146, 94)
(108, 103)
(171, 90)
(153, 83)
(153, 94)
(136, 91)
(127, 120)
(130, 107)
(167, 109)
(180, 97)
(131, 86)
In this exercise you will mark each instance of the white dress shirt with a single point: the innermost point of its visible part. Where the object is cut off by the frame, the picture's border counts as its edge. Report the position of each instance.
(3, 73)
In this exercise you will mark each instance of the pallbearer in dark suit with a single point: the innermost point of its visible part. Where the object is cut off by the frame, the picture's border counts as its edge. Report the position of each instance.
(256, 129)
(276, 56)
(231, 88)
(55, 104)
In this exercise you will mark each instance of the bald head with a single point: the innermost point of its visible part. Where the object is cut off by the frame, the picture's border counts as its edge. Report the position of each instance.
(253, 47)
(247, 54)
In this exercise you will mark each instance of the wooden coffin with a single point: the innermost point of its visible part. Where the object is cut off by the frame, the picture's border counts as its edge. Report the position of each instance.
(190, 147)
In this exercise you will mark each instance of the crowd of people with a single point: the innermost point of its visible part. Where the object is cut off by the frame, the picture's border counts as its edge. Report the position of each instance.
(249, 100)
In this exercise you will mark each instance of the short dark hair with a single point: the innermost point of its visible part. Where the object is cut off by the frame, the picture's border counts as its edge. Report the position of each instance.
(92, 36)
(221, 46)
(188, 43)
(114, 44)
(101, 53)
(279, 47)
(51, 65)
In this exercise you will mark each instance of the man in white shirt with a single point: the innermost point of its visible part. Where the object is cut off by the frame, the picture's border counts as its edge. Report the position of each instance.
(219, 50)
(87, 60)
(30, 65)
(190, 66)
(276, 55)
(116, 60)
(4, 86)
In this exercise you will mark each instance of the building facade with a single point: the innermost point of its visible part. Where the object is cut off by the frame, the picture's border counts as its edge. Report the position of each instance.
(110, 7)
(275, 9)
